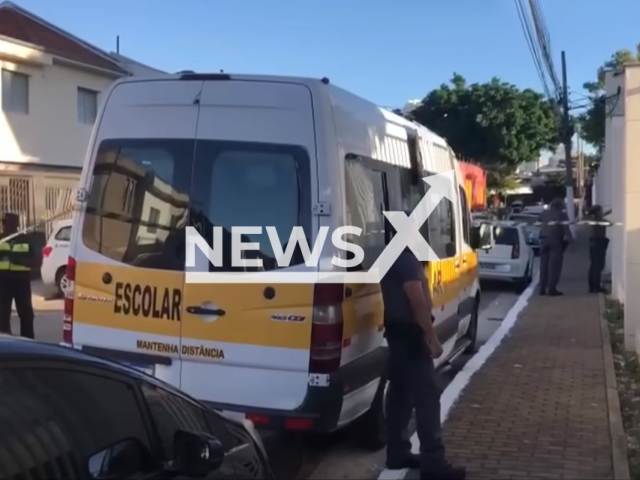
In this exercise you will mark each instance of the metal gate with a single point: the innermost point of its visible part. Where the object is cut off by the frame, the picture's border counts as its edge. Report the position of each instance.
(16, 196)
(38, 198)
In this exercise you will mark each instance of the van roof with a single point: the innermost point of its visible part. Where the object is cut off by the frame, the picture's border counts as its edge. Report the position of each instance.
(188, 75)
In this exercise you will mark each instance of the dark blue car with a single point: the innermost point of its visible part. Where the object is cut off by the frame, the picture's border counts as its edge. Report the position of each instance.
(65, 414)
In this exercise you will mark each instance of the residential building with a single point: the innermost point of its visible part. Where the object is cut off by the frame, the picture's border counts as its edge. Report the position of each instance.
(51, 87)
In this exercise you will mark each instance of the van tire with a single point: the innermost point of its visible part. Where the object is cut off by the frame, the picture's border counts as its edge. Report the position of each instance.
(472, 330)
(371, 428)
(60, 275)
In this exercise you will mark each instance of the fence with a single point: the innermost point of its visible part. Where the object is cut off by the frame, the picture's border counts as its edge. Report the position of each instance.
(38, 197)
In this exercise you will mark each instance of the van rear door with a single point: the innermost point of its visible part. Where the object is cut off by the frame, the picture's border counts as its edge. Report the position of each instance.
(128, 241)
(247, 345)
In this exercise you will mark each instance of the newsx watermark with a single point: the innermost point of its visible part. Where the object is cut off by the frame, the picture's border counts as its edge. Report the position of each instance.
(441, 185)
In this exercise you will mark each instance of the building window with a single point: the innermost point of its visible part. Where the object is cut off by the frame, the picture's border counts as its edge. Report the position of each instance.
(87, 106)
(154, 219)
(15, 92)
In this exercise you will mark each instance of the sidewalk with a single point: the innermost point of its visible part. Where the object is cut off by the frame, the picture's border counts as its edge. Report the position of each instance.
(538, 407)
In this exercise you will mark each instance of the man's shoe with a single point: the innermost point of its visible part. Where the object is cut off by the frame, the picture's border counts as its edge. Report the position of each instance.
(445, 471)
(555, 293)
(412, 462)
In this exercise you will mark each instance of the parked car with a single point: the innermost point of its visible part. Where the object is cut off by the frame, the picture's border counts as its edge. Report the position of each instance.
(67, 414)
(54, 257)
(510, 259)
(531, 230)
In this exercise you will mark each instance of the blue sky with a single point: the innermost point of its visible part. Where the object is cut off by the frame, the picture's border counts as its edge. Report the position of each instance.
(387, 51)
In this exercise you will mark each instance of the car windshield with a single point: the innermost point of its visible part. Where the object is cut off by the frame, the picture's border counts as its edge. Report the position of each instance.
(524, 218)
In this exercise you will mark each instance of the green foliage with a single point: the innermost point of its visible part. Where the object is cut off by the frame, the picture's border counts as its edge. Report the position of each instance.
(495, 123)
(592, 121)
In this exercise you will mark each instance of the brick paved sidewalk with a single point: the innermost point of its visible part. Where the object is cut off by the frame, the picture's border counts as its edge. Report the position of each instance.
(538, 408)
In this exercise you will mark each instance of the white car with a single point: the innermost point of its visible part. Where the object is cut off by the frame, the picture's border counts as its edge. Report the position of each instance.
(510, 259)
(54, 257)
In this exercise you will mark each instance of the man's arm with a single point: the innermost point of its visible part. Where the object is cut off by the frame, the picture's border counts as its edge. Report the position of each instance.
(421, 308)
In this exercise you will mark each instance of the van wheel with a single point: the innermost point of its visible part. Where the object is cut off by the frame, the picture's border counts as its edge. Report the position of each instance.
(472, 330)
(371, 428)
(61, 280)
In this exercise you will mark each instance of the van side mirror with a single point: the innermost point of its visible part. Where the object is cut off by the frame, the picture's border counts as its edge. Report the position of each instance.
(196, 455)
(482, 236)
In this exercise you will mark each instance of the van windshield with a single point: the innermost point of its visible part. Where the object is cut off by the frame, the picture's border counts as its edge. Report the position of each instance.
(146, 191)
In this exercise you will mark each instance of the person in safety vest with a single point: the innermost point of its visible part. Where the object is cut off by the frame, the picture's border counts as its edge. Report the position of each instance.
(17, 258)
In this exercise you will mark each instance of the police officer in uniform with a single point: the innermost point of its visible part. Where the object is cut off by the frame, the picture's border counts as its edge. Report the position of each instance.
(17, 258)
(413, 344)
(554, 237)
(598, 243)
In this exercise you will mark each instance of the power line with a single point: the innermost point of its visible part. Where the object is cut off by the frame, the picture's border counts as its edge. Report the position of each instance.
(531, 43)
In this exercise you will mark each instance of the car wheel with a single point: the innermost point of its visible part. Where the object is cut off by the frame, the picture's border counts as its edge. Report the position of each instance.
(472, 330)
(61, 280)
(371, 428)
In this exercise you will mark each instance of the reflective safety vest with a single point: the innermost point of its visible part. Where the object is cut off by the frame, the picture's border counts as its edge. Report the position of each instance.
(10, 252)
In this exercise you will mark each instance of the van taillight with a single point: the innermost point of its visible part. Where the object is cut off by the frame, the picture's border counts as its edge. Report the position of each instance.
(515, 251)
(326, 330)
(46, 251)
(67, 317)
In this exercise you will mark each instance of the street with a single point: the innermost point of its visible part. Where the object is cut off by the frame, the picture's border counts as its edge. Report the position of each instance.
(298, 456)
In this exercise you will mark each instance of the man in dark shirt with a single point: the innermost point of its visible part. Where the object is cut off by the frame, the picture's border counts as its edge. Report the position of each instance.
(598, 243)
(413, 344)
(554, 236)
(17, 258)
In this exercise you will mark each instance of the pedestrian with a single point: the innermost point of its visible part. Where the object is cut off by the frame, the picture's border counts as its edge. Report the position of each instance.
(555, 235)
(413, 344)
(598, 243)
(17, 258)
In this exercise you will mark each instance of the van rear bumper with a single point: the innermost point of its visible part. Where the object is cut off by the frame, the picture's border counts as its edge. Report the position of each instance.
(320, 411)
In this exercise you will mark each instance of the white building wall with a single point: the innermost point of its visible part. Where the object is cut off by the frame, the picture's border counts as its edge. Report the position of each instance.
(631, 185)
(51, 132)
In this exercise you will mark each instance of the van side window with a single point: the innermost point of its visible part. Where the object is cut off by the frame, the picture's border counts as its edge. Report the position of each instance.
(242, 184)
(366, 199)
(442, 231)
(411, 196)
(64, 234)
(466, 220)
(139, 200)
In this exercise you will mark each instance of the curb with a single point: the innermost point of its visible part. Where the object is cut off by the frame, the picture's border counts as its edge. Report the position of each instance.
(619, 456)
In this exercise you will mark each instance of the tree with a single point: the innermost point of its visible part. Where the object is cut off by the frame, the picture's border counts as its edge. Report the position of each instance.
(592, 121)
(495, 123)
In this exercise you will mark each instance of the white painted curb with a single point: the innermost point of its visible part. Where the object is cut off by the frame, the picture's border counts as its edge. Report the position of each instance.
(461, 380)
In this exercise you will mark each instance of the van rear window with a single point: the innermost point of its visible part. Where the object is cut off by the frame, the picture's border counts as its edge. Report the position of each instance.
(145, 192)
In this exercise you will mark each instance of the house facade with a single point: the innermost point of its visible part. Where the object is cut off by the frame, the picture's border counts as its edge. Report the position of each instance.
(51, 86)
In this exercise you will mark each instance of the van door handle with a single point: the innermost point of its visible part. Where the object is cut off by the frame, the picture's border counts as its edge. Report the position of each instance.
(464, 261)
(205, 311)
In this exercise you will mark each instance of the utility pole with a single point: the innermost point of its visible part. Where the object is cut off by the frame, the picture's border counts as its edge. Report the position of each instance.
(566, 134)
(118, 44)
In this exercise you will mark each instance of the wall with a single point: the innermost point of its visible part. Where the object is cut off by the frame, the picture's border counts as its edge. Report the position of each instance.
(50, 133)
(631, 185)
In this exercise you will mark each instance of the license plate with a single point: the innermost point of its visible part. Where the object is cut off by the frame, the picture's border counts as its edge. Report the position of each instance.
(487, 266)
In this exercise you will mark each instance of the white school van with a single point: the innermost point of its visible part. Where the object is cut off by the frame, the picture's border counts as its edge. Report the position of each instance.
(226, 150)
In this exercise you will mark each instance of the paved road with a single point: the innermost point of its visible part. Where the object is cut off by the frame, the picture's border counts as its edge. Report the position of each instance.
(330, 456)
